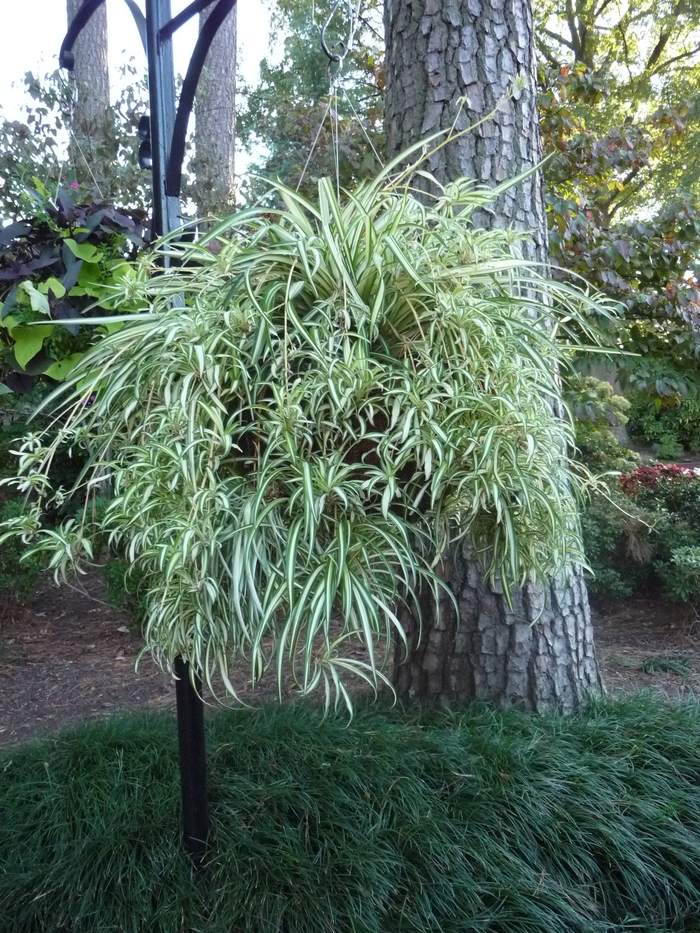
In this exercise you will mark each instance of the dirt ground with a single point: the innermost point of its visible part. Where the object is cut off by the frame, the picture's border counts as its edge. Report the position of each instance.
(68, 656)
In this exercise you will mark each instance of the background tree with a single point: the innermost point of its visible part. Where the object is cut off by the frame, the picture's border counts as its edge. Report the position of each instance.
(34, 163)
(288, 112)
(537, 653)
(619, 113)
(215, 122)
(92, 136)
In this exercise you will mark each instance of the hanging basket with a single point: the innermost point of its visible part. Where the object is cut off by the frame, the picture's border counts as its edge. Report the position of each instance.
(316, 403)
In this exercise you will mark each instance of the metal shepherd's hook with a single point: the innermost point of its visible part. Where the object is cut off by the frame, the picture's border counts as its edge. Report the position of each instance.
(163, 137)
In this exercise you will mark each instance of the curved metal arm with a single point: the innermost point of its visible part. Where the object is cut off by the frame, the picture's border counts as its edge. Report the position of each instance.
(332, 56)
(195, 7)
(140, 21)
(173, 178)
(66, 58)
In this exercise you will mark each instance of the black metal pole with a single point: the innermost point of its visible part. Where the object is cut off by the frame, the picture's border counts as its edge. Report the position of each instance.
(157, 33)
(161, 91)
(166, 217)
(193, 762)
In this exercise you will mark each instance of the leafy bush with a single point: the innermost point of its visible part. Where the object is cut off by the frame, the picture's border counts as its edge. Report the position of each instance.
(33, 155)
(618, 541)
(681, 575)
(345, 388)
(670, 423)
(631, 535)
(55, 265)
(595, 409)
(123, 591)
(19, 568)
(438, 822)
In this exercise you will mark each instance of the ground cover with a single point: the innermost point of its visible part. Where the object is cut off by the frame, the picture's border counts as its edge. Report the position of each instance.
(400, 821)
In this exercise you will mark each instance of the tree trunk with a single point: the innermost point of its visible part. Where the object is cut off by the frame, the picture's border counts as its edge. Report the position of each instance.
(538, 655)
(215, 123)
(92, 148)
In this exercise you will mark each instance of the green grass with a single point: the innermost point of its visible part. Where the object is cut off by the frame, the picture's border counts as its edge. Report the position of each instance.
(400, 821)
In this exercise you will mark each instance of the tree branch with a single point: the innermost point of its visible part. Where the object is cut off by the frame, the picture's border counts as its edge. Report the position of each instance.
(558, 38)
(657, 51)
(677, 58)
(366, 23)
(571, 20)
(548, 54)
(601, 9)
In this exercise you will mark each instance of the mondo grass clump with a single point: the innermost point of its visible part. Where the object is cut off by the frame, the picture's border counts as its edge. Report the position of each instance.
(315, 401)
(428, 821)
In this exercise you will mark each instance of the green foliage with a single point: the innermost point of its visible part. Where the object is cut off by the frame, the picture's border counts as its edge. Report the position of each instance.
(596, 409)
(288, 112)
(123, 591)
(620, 121)
(432, 821)
(681, 575)
(667, 665)
(62, 261)
(620, 182)
(19, 568)
(632, 533)
(618, 541)
(346, 388)
(672, 423)
(32, 150)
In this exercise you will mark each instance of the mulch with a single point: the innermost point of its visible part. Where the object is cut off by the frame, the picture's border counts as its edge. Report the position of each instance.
(68, 656)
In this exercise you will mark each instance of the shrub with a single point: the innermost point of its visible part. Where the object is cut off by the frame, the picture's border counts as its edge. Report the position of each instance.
(670, 423)
(681, 574)
(124, 591)
(618, 541)
(595, 409)
(655, 479)
(19, 569)
(430, 821)
(55, 264)
(631, 536)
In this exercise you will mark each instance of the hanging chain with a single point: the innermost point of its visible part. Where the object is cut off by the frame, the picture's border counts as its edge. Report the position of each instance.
(336, 54)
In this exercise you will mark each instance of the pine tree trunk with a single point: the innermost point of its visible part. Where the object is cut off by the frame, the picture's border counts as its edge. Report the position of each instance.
(539, 655)
(92, 145)
(215, 123)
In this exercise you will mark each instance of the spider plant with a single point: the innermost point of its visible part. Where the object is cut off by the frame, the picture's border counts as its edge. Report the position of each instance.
(316, 402)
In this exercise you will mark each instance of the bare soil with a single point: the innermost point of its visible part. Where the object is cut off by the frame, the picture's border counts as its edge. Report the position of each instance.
(646, 644)
(68, 656)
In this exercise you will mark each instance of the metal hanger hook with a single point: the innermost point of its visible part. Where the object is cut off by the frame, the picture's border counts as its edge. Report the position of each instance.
(345, 46)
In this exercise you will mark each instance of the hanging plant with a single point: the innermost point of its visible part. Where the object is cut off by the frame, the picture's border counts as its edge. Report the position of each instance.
(316, 402)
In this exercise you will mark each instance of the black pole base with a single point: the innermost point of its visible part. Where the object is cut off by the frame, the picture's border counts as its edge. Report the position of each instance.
(193, 762)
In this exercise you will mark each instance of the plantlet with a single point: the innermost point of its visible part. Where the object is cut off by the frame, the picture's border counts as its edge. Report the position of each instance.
(320, 399)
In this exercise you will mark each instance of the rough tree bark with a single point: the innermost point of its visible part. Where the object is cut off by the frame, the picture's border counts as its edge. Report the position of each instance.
(91, 142)
(215, 123)
(539, 655)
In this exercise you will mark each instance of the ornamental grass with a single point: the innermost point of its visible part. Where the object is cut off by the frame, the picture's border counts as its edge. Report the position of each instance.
(471, 821)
